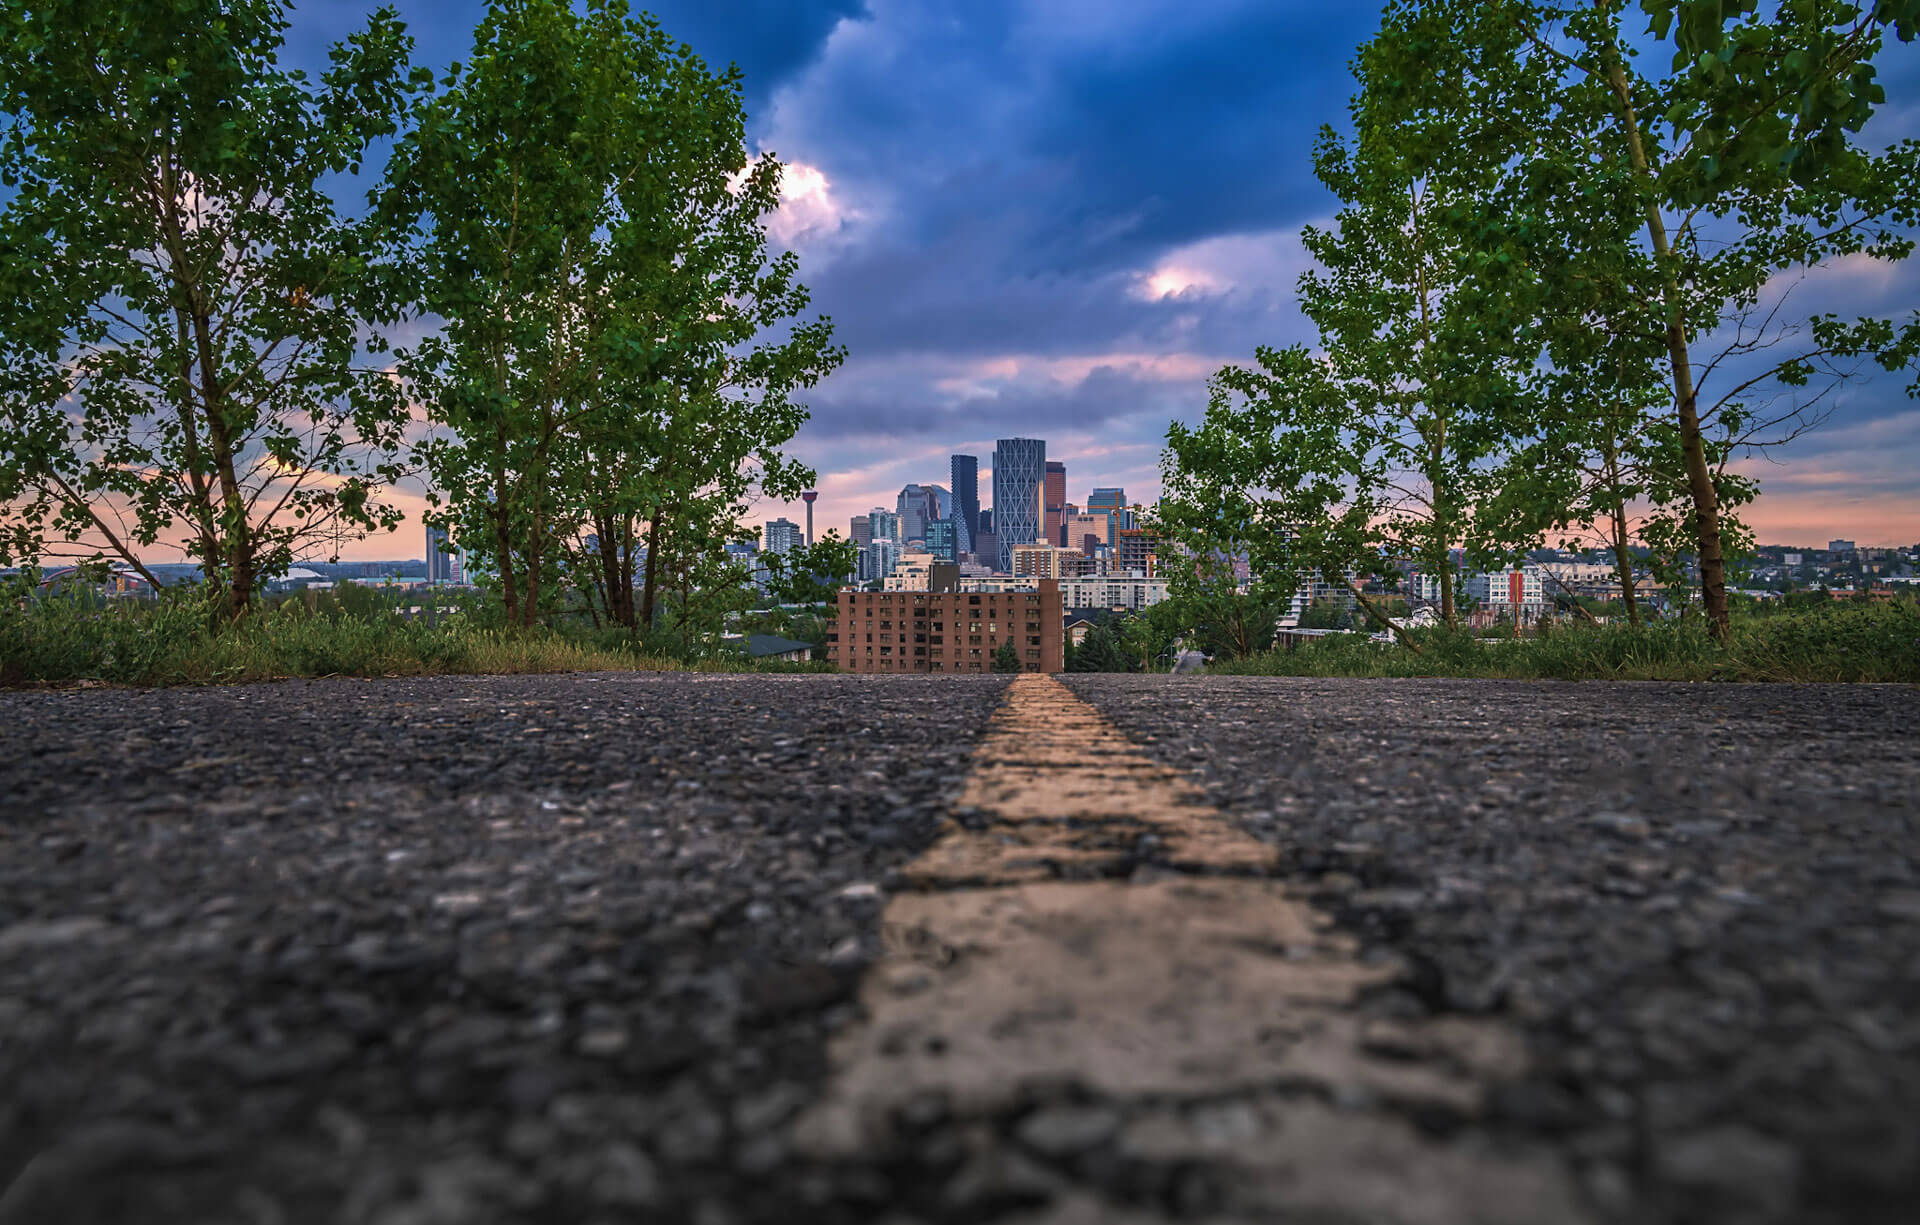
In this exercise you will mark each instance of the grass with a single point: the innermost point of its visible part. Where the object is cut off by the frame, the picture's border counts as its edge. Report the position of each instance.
(1847, 642)
(71, 640)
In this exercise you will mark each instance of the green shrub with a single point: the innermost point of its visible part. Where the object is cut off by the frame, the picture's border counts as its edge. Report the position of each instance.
(1835, 642)
(78, 636)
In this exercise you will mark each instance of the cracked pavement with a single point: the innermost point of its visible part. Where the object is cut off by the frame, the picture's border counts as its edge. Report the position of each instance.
(774, 948)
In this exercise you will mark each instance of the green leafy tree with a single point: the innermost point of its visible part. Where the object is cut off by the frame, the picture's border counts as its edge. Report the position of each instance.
(183, 311)
(1691, 174)
(591, 233)
(1006, 658)
(1100, 651)
(1325, 615)
(812, 573)
(1149, 634)
(1377, 447)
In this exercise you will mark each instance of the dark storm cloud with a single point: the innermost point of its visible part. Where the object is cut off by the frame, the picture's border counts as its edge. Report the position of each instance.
(1054, 217)
(769, 39)
(1204, 131)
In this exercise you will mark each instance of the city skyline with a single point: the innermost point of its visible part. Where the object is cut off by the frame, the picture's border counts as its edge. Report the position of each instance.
(1073, 260)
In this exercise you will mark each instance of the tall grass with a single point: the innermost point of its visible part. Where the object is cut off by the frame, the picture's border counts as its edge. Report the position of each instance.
(66, 639)
(1847, 642)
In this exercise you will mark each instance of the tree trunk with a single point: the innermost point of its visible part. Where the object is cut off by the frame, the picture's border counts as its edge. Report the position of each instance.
(650, 586)
(1706, 505)
(1571, 597)
(1622, 555)
(530, 602)
(1623, 562)
(1399, 631)
(624, 574)
(609, 566)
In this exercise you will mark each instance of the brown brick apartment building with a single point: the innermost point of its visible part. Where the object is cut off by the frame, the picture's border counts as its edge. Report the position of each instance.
(946, 631)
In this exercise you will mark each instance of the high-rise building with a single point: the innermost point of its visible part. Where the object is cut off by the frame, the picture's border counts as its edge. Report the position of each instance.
(862, 531)
(1056, 502)
(880, 557)
(1113, 504)
(1045, 561)
(1019, 474)
(941, 534)
(783, 536)
(966, 501)
(985, 524)
(1136, 549)
(443, 560)
(917, 506)
(1088, 530)
(986, 547)
(885, 524)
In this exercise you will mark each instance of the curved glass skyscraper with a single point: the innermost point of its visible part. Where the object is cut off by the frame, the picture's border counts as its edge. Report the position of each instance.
(966, 501)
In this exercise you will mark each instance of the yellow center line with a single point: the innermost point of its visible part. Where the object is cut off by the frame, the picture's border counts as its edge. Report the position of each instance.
(1036, 958)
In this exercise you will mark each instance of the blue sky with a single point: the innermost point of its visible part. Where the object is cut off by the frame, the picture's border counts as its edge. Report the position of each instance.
(1056, 218)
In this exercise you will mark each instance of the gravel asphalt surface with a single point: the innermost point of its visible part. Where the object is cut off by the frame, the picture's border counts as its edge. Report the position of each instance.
(573, 948)
(1701, 903)
(446, 951)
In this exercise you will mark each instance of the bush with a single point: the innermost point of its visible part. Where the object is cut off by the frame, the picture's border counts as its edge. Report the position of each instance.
(1835, 642)
(78, 636)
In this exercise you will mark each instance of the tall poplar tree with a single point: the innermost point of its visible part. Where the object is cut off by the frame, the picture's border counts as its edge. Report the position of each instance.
(183, 311)
(591, 234)
(1375, 450)
(1728, 133)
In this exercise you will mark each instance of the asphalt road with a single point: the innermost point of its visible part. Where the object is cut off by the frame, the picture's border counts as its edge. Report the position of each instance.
(466, 950)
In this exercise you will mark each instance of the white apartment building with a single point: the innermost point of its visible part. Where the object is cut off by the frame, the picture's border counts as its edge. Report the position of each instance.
(1131, 593)
(911, 572)
(1520, 591)
(1314, 589)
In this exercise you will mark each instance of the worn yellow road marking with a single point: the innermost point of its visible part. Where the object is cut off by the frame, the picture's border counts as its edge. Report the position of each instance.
(1213, 1012)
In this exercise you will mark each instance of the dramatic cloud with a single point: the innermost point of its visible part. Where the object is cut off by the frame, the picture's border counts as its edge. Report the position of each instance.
(1055, 219)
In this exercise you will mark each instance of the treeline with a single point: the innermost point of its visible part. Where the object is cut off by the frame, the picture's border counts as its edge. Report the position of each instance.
(557, 302)
(1555, 305)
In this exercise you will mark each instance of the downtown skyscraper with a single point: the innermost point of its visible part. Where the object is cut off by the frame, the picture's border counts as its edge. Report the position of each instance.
(966, 501)
(1054, 503)
(1019, 479)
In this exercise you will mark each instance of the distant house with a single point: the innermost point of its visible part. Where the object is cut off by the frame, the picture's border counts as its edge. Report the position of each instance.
(1077, 630)
(772, 646)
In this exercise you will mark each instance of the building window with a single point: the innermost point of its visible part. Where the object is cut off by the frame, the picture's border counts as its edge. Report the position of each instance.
(1033, 640)
(973, 599)
(937, 638)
